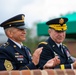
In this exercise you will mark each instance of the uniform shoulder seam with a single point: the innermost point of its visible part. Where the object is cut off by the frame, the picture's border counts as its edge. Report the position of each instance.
(65, 45)
(43, 43)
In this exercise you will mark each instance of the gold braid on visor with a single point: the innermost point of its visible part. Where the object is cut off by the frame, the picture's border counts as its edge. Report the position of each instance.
(58, 27)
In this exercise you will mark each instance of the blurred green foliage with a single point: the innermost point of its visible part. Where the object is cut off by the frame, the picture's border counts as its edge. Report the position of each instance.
(32, 41)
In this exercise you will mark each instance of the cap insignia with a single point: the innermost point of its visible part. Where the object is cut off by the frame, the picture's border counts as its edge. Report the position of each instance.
(61, 21)
(22, 17)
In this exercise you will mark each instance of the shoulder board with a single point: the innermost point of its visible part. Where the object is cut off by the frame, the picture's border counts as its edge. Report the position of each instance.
(64, 45)
(24, 45)
(5, 44)
(43, 43)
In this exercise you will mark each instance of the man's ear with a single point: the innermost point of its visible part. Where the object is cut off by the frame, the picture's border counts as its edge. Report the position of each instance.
(9, 33)
(49, 31)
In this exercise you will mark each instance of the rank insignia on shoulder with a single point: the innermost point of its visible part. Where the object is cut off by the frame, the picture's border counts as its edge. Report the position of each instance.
(8, 65)
(43, 43)
(64, 45)
(5, 44)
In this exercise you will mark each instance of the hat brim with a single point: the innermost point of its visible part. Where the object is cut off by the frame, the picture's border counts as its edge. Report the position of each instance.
(60, 31)
(22, 27)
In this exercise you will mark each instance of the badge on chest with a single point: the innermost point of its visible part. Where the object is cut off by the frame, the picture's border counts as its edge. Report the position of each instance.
(19, 57)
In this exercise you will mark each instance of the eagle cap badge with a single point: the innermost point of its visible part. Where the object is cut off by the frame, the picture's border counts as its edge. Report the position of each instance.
(61, 21)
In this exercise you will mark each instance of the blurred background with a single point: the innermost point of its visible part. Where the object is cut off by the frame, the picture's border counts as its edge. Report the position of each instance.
(37, 12)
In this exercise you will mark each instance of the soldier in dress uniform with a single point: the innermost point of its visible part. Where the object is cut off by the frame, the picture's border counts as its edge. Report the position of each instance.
(13, 55)
(54, 46)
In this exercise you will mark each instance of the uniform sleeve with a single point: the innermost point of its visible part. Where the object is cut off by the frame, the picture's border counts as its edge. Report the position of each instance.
(45, 55)
(63, 66)
(6, 60)
(29, 66)
(9, 62)
(70, 61)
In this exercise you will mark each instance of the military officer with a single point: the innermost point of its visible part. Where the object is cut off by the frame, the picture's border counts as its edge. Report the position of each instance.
(54, 46)
(13, 55)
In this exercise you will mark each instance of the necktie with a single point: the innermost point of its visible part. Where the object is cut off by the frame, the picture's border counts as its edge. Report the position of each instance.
(26, 51)
(22, 48)
(61, 49)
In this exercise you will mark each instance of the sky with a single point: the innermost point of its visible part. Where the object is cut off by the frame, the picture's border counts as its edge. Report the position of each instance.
(35, 10)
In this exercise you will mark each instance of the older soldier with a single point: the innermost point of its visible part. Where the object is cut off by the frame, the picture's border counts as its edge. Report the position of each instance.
(53, 46)
(13, 55)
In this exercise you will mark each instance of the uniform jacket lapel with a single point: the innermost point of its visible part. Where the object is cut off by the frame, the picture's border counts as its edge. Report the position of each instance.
(16, 48)
(65, 51)
(28, 53)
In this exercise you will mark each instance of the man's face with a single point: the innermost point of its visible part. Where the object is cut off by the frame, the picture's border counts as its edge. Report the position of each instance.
(57, 37)
(18, 35)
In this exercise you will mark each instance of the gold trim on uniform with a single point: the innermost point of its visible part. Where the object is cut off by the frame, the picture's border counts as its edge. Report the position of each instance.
(14, 22)
(27, 67)
(62, 67)
(61, 21)
(8, 65)
(6, 44)
(43, 43)
(58, 26)
(64, 45)
(14, 46)
(22, 17)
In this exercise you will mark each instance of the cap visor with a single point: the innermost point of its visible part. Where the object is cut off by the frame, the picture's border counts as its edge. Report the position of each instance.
(21, 27)
(60, 30)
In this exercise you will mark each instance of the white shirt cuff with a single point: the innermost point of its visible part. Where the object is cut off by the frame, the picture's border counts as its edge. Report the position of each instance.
(72, 66)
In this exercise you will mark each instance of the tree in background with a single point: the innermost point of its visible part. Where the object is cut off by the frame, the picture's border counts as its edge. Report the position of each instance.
(32, 40)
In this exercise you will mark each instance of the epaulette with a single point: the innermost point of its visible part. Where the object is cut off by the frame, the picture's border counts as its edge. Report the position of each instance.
(43, 43)
(5, 44)
(64, 45)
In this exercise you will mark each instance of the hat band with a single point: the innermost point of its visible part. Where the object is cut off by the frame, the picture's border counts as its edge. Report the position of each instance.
(15, 21)
(58, 27)
(14, 25)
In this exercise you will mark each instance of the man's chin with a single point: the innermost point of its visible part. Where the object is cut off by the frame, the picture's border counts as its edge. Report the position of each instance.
(23, 40)
(59, 41)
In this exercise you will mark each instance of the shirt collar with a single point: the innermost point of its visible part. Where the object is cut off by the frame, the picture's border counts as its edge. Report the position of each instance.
(59, 44)
(19, 45)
